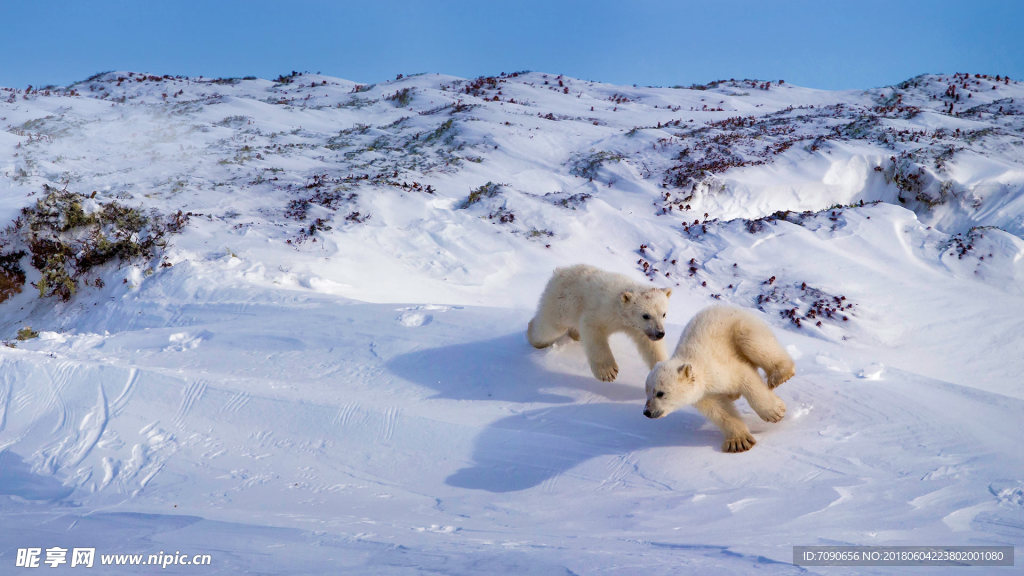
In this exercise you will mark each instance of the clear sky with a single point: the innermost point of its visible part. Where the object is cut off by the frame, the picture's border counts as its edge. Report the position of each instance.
(832, 44)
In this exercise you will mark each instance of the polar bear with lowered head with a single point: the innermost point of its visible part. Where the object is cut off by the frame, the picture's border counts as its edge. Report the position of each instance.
(590, 304)
(716, 362)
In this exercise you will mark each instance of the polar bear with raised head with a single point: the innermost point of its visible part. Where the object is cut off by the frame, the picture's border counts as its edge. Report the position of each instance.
(716, 362)
(590, 304)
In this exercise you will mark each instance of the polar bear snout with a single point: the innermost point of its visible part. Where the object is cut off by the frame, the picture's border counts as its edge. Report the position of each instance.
(655, 334)
(653, 414)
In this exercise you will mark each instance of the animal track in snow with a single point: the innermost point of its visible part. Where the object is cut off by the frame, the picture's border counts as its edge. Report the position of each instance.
(416, 316)
(390, 419)
(182, 341)
(192, 393)
(873, 371)
(235, 403)
(414, 319)
(802, 410)
(147, 459)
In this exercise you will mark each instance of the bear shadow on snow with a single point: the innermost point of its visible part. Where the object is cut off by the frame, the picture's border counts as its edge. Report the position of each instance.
(499, 369)
(523, 451)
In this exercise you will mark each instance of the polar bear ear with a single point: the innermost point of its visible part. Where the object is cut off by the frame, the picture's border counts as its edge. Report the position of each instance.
(685, 371)
(668, 292)
(626, 296)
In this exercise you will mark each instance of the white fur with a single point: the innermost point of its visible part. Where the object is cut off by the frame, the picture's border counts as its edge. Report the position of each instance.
(590, 304)
(716, 362)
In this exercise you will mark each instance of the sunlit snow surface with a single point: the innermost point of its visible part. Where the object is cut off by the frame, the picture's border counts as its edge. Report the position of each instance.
(332, 376)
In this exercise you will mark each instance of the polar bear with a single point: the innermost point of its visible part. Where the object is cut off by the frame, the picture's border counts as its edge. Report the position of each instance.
(716, 362)
(590, 304)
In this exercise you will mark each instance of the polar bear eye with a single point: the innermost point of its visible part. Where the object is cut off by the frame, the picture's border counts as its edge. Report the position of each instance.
(647, 316)
(660, 394)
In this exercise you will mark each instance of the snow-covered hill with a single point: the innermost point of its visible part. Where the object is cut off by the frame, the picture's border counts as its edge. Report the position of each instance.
(281, 322)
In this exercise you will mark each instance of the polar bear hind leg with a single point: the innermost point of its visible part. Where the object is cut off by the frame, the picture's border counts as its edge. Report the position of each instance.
(755, 342)
(762, 399)
(542, 333)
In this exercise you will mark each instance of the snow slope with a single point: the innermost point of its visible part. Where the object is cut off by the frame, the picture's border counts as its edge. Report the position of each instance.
(326, 371)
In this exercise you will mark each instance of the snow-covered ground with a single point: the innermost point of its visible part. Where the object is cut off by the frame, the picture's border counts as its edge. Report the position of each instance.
(326, 370)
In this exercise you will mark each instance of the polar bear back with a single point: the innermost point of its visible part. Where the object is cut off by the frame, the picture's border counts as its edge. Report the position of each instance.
(582, 288)
(723, 333)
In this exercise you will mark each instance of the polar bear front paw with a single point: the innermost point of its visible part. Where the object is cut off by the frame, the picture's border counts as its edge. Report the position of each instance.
(775, 413)
(740, 443)
(605, 372)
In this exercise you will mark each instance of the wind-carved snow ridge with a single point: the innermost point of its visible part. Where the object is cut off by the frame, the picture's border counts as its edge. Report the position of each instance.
(327, 359)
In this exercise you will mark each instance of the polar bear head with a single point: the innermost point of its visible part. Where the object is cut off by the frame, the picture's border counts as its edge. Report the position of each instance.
(645, 311)
(671, 385)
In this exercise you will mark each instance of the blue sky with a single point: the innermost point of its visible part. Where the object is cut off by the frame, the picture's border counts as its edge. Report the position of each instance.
(829, 44)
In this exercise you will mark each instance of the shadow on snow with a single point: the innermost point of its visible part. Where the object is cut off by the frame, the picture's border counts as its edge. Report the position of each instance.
(500, 370)
(525, 450)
